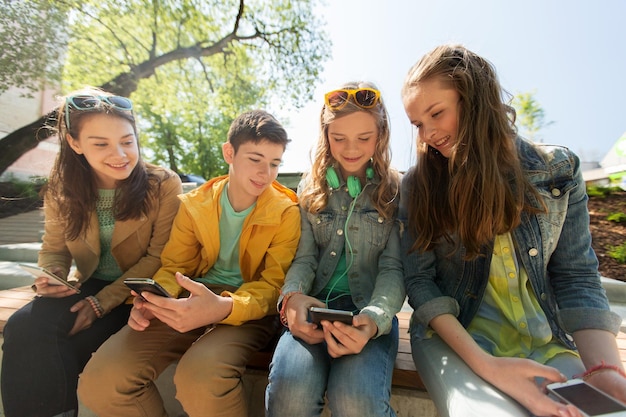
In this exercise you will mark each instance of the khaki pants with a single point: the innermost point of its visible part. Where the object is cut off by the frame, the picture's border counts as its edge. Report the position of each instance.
(119, 378)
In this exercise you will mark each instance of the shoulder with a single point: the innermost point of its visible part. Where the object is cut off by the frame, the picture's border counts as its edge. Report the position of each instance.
(540, 156)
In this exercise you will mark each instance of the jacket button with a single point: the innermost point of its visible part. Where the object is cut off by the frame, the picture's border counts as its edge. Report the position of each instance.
(333, 254)
(340, 232)
(380, 219)
(318, 220)
(556, 192)
(533, 252)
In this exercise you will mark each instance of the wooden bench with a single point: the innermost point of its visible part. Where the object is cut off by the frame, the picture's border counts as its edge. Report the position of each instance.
(404, 375)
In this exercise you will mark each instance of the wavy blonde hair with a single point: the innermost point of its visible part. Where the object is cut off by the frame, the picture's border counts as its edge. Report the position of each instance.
(478, 192)
(314, 196)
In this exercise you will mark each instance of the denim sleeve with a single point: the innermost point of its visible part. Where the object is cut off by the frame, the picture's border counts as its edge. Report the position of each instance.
(573, 268)
(301, 273)
(420, 272)
(389, 294)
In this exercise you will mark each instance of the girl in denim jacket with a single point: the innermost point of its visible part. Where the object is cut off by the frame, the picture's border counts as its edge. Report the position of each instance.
(499, 262)
(348, 258)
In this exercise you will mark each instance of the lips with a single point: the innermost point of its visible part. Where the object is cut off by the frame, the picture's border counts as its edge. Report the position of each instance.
(118, 166)
(443, 141)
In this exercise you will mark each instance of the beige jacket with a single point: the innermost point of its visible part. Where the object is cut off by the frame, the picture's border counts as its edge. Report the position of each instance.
(136, 244)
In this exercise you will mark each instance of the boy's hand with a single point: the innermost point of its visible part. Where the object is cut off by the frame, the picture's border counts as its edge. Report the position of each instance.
(139, 318)
(297, 312)
(343, 339)
(202, 308)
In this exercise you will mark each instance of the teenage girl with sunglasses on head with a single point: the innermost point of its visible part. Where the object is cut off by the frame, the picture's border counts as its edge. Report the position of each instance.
(110, 213)
(348, 258)
(499, 261)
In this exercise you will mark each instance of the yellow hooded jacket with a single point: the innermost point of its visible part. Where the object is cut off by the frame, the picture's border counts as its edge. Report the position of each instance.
(267, 246)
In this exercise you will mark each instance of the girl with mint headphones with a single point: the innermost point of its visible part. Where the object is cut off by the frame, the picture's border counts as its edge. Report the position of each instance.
(348, 259)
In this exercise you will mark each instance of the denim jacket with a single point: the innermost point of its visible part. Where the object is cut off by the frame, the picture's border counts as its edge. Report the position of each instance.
(554, 247)
(375, 276)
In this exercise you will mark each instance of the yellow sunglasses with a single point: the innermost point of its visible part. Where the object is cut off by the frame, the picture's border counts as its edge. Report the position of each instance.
(363, 97)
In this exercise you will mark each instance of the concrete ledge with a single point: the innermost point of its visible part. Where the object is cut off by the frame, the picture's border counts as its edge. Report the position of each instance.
(20, 252)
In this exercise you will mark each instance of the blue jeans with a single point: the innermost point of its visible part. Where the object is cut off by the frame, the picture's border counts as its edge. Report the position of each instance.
(355, 385)
(40, 363)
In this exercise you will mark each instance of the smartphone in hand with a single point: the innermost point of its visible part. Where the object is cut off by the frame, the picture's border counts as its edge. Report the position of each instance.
(317, 314)
(53, 279)
(146, 284)
(589, 400)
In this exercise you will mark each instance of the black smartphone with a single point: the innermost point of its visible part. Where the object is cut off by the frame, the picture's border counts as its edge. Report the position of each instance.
(317, 314)
(589, 400)
(38, 271)
(146, 284)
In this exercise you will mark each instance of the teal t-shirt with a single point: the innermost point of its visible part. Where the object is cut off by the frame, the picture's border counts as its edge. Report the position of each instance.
(108, 269)
(226, 270)
(337, 285)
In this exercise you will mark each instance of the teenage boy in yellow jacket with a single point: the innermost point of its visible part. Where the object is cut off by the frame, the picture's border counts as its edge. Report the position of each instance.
(235, 236)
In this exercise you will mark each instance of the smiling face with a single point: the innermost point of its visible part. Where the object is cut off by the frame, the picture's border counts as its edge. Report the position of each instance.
(433, 108)
(109, 145)
(352, 140)
(251, 170)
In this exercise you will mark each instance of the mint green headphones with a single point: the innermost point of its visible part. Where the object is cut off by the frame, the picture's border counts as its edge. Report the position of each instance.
(353, 183)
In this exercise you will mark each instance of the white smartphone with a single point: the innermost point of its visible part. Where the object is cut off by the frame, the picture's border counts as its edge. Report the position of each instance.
(38, 271)
(589, 400)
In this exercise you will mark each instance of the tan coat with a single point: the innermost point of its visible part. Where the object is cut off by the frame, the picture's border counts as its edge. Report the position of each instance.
(136, 244)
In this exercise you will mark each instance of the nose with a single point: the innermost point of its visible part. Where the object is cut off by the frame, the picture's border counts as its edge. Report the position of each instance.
(119, 151)
(427, 133)
(265, 169)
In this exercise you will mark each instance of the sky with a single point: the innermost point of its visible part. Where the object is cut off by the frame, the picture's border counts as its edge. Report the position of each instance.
(570, 53)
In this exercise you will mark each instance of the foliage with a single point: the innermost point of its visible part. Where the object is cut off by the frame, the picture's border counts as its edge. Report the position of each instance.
(530, 115)
(617, 217)
(33, 41)
(618, 253)
(190, 66)
(601, 191)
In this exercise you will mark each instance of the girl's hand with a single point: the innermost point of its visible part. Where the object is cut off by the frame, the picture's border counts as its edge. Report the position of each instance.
(516, 377)
(85, 317)
(610, 382)
(343, 339)
(44, 289)
(297, 312)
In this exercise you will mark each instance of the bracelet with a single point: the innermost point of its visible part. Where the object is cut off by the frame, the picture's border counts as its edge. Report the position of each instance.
(283, 316)
(95, 305)
(601, 368)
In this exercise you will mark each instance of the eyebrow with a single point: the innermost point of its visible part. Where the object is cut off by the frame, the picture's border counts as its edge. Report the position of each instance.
(369, 132)
(259, 154)
(106, 138)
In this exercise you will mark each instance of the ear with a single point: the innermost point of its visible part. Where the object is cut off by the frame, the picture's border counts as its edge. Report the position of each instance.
(228, 152)
(74, 144)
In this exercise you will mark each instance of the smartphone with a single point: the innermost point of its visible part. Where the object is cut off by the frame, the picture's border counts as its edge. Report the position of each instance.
(317, 314)
(38, 271)
(146, 284)
(589, 400)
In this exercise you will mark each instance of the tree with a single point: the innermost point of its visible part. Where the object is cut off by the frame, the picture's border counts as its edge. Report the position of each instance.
(262, 48)
(33, 41)
(530, 115)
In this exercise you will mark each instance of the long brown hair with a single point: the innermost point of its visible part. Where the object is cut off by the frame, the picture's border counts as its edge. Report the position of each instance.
(72, 184)
(314, 196)
(478, 192)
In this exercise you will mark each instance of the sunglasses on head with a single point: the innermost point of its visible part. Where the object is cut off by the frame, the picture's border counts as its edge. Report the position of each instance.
(363, 97)
(88, 102)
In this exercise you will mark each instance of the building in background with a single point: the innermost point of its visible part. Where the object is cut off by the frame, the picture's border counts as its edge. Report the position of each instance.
(612, 170)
